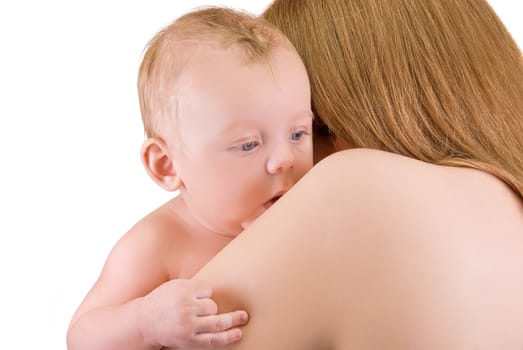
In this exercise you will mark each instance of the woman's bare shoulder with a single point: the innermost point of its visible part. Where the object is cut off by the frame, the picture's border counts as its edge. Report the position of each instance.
(372, 250)
(419, 184)
(430, 204)
(437, 250)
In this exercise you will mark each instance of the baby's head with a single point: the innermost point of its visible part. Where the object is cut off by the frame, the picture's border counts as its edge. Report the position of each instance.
(225, 104)
(181, 47)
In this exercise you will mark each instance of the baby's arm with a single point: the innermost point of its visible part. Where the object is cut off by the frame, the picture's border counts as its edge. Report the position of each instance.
(134, 305)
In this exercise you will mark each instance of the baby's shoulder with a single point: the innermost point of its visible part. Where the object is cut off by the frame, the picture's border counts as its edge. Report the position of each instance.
(155, 236)
(159, 227)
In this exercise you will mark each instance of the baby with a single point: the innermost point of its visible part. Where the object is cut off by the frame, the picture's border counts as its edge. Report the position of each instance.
(225, 103)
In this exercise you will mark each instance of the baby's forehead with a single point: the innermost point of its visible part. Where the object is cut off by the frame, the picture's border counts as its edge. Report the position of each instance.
(208, 63)
(215, 75)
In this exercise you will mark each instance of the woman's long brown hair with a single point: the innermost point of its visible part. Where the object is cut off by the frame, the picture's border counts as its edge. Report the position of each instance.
(436, 80)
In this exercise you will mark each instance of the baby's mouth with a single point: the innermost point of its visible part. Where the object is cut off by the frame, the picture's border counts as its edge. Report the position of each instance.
(273, 200)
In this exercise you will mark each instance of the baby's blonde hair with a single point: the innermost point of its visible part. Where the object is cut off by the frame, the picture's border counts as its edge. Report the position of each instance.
(436, 80)
(170, 51)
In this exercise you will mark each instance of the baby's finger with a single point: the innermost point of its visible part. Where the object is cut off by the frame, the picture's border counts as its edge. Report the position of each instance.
(215, 340)
(200, 289)
(221, 322)
(206, 307)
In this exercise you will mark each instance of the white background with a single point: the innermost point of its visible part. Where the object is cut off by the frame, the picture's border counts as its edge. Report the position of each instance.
(71, 180)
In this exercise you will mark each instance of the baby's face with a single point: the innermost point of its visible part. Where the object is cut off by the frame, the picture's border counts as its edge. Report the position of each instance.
(246, 135)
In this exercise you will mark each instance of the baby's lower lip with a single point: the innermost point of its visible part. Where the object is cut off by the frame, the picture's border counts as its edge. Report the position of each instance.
(269, 204)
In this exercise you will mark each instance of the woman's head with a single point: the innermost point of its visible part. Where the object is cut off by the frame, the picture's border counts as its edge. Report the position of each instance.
(436, 80)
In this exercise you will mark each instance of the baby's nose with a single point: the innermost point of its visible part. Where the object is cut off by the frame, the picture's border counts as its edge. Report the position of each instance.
(281, 159)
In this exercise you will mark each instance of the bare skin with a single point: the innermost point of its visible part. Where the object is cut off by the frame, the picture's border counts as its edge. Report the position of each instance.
(373, 250)
(164, 262)
(229, 172)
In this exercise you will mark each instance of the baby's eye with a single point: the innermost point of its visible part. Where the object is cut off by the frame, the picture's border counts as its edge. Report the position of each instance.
(297, 135)
(248, 146)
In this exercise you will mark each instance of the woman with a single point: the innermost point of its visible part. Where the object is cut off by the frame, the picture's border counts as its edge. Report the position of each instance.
(411, 237)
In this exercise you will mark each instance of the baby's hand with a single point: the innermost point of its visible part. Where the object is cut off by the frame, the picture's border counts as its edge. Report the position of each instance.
(181, 314)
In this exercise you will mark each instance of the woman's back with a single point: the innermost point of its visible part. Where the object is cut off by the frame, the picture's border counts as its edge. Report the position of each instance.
(389, 252)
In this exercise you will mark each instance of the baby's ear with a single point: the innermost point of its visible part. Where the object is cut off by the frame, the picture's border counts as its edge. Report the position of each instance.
(159, 164)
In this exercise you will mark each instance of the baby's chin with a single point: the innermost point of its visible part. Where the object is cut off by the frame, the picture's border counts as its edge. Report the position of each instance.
(248, 223)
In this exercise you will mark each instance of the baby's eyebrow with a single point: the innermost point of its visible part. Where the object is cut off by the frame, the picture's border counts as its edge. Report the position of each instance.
(305, 113)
